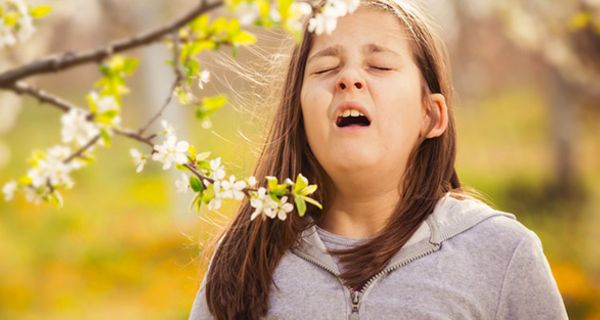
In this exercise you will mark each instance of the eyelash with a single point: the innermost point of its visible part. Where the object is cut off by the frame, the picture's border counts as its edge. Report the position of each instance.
(378, 68)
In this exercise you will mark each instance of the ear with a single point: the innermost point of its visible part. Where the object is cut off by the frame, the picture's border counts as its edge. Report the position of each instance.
(436, 116)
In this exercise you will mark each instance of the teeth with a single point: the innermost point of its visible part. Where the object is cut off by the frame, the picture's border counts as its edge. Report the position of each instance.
(351, 113)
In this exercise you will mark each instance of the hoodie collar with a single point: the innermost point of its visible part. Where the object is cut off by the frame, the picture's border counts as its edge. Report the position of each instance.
(450, 217)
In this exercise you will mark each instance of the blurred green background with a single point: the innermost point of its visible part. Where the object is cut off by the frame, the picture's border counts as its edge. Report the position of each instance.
(125, 246)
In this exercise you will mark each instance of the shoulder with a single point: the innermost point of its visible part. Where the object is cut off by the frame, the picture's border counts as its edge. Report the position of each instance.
(476, 226)
(473, 218)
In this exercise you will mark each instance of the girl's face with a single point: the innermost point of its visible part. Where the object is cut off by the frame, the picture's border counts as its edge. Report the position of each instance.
(364, 65)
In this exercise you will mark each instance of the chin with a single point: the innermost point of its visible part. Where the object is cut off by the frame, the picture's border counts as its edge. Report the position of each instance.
(352, 159)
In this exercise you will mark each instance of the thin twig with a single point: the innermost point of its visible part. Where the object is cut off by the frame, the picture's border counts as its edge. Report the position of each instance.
(81, 150)
(135, 136)
(70, 59)
(41, 95)
(45, 97)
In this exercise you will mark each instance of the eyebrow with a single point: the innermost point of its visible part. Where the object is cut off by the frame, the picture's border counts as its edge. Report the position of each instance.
(335, 51)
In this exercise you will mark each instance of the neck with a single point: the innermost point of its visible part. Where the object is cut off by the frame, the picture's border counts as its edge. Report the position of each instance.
(360, 212)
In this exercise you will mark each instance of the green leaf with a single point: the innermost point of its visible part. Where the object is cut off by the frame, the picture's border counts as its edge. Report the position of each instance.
(313, 202)
(198, 46)
(191, 67)
(40, 11)
(283, 7)
(192, 152)
(264, 8)
(272, 182)
(196, 184)
(205, 165)
(208, 194)
(199, 26)
(301, 182)
(182, 95)
(129, 65)
(10, 19)
(196, 201)
(300, 204)
(25, 180)
(106, 138)
(243, 38)
(218, 26)
(210, 105)
(233, 27)
(55, 199)
(308, 190)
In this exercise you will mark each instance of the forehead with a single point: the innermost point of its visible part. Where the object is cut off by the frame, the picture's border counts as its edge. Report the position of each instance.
(368, 29)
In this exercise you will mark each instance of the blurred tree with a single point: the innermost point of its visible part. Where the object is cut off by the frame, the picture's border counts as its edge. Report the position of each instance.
(565, 37)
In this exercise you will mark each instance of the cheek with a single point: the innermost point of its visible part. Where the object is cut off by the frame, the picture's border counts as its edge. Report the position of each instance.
(401, 114)
(315, 103)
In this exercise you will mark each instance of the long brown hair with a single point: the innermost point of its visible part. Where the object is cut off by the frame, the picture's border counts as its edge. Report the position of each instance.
(241, 270)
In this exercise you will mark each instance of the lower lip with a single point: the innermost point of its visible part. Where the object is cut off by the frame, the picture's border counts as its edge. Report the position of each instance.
(353, 128)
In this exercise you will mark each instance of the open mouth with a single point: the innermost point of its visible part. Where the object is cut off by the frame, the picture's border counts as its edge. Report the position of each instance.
(352, 120)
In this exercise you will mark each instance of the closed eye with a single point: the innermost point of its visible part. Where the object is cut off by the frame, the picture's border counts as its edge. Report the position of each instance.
(323, 71)
(381, 68)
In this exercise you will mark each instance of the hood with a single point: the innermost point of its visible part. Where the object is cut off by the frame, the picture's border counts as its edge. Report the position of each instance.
(450, 217)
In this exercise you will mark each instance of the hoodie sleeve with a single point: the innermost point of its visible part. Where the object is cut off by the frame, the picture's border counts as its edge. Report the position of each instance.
(529, 290)
(200, 308)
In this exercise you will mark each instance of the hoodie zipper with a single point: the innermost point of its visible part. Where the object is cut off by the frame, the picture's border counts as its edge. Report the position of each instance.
(356, 295)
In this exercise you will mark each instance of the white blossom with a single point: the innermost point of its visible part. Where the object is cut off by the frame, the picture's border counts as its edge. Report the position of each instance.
(326, 20)
(9, 190)
(206, 123)
(167, 128)
(171, 151)
(297, 11)
(262, 202)
(283, 207)
(75, 127)
(203, 78)
(51, 168)
(217, 172)
(247, 12)
(138, 159)
(322, 23)
(233, 189)
(104, 103)
(7, 38)
(183, 183)
(32, 195)
(216, 202)
(251, 181)
(24, 26)
(202, 156)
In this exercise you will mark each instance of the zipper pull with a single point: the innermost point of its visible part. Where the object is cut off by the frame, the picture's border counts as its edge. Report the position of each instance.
(355, 302)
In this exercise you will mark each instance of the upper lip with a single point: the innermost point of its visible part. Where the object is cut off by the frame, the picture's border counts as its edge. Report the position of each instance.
(351, 105)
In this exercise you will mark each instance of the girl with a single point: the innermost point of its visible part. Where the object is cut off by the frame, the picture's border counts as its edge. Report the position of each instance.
(366, 114)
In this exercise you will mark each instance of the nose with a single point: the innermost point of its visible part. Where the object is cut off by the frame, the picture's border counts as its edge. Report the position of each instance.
(349, 80)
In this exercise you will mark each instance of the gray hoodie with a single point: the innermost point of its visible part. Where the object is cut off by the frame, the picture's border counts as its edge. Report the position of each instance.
(465, 261)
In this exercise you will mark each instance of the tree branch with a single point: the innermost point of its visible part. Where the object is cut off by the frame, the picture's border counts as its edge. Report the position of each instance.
(70, 59)
(42, 96)
(81, 150)
(65, 106)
